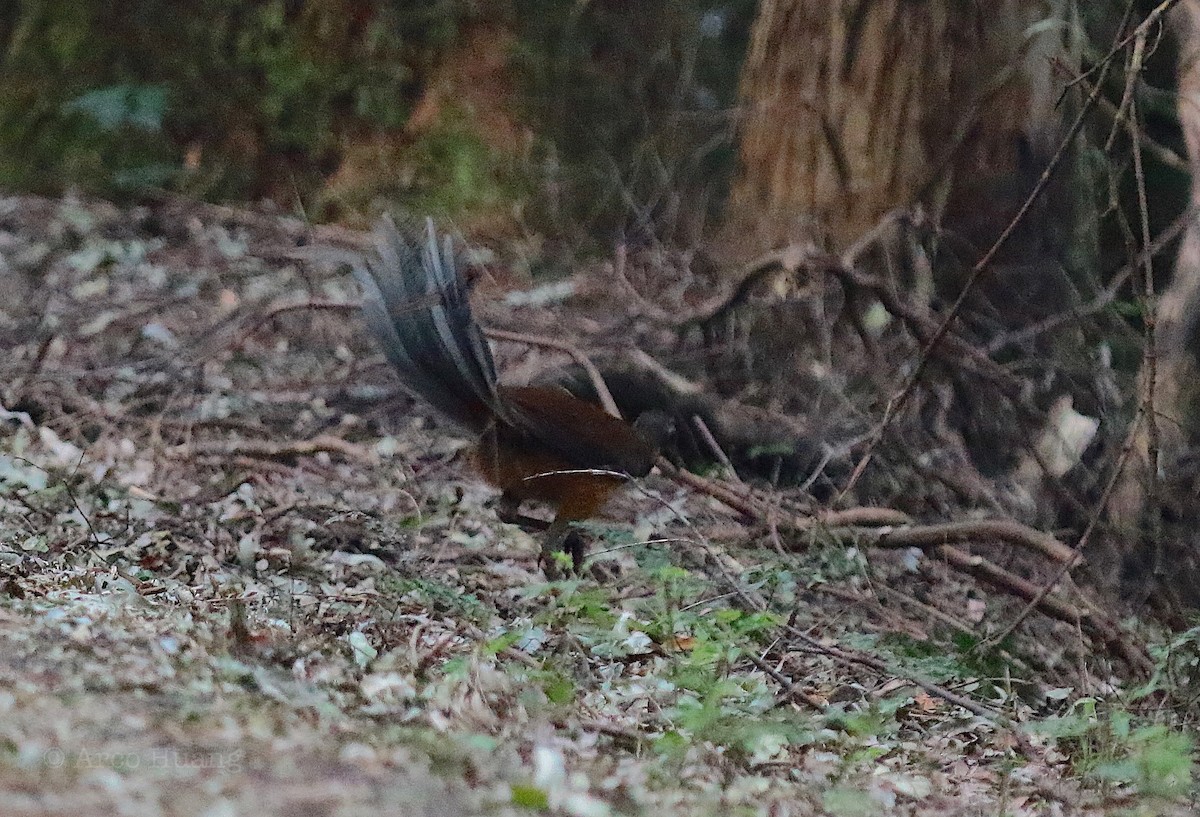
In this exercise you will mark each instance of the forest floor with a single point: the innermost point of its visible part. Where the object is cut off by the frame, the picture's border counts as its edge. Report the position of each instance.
(239, 573)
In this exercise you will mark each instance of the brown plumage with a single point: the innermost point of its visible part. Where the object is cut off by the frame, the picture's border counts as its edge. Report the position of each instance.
(533, 443)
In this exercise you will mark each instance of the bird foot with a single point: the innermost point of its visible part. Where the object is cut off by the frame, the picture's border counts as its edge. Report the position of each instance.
(569, 542)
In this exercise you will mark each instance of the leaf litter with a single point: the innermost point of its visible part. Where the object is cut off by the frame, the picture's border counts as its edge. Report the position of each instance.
(239, 573)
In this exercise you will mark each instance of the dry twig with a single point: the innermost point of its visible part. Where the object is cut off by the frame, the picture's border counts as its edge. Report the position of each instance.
(276, 451)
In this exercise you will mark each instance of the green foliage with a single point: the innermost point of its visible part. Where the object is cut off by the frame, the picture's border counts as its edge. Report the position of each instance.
(1111, 744)
(438, 597)
(231, 99)
(574, 604)
(117, 96)
(1177, 668)
(1155, 758)
(847, 802)
(530, 797)
(136, 106)
(558, 689)
(454, 171)
(722, 718)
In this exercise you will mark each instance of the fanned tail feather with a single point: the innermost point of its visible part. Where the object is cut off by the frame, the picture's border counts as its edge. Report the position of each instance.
(416, 304)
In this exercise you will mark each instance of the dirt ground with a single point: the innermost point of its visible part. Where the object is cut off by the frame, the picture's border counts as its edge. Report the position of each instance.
(240, 574)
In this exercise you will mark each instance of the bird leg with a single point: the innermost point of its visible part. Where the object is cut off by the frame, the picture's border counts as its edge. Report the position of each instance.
(558, 536)
(561, 538)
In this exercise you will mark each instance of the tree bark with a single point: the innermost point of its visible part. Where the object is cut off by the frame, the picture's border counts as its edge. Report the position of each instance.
(851, 108)
(1157, 475)
(1179, 310)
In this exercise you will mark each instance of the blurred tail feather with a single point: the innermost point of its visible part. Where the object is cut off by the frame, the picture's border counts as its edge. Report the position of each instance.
(417, 305)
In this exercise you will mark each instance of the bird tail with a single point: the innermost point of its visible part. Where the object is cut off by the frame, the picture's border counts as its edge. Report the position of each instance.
(416, 304)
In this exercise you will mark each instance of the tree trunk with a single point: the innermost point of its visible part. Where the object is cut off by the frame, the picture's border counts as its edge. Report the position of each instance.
(851, 108)
(1179, 310)
(1169, 566)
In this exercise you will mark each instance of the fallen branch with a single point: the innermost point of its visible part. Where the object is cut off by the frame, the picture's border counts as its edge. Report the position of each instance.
(850, 517)
(1008, 531)
(850, 658)
(275, 451)
(936, 540)
(1099, 626)
(742, 502)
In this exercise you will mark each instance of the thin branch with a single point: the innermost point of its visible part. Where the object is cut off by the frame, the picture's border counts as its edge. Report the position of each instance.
(743, 503)
(851, 658)
(715, 447)
(898, 401)
(1149, 374)
(788, 687)
(597, 380)
(1109, 294)
(276, 451)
